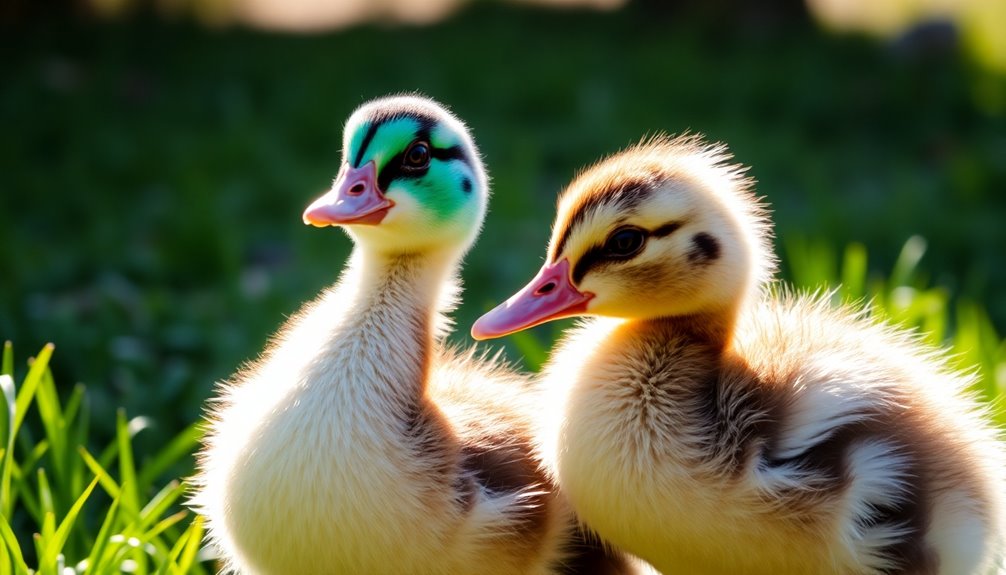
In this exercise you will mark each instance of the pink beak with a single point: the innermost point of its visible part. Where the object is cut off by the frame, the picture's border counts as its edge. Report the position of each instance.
(550, 295)
(353, 199)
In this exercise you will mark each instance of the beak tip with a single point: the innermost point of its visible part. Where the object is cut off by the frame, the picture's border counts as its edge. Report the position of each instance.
(477, 333)
(487, 327)
(314, 217)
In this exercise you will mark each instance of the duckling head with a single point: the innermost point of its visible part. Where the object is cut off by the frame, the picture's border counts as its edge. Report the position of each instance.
(666, 228)
(410, 180)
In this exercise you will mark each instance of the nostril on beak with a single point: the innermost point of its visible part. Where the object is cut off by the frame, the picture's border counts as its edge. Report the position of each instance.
(545, 288)
(357, 189)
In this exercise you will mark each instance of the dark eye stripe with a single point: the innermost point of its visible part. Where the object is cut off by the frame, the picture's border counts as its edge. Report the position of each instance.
(452, 153)
(597, 255)
(666, 229)
(588, 261)
(393, 169)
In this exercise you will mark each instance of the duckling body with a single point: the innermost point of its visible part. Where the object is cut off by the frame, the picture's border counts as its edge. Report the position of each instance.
(337, 473)
(712, 426)
(779, 456)
(358, 442)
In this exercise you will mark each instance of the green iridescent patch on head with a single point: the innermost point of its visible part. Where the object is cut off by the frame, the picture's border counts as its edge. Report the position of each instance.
(440, 190)
(386, 139)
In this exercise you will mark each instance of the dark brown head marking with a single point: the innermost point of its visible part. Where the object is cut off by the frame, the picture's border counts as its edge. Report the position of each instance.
(627, 195)
(705, 249)
(666, 229)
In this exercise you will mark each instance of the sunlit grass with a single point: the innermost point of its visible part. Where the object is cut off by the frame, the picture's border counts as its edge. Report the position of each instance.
(65, 509)
(906, 298)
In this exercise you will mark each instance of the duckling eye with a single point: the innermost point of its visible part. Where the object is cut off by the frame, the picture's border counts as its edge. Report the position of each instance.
(625, 242)
(417, 156)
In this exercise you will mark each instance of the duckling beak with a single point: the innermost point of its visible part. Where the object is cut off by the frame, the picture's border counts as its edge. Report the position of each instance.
(550, 295)
(353, 199)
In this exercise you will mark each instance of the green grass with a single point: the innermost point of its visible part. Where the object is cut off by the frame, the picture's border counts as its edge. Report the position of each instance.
(64, 507)
(906, 298)
(152, 176)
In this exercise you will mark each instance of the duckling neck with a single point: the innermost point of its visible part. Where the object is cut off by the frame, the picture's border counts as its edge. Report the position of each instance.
(713, 329)
(385, 327)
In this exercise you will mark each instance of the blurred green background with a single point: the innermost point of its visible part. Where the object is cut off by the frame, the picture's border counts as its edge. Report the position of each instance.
(153, 167)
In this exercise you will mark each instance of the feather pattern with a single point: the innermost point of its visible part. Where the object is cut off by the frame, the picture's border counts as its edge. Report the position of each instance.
(713, 423)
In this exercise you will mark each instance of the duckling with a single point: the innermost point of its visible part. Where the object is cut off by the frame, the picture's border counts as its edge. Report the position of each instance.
(710, 422)
(358, 442)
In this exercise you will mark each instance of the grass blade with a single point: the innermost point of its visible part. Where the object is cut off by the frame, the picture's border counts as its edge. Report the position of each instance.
(164, 524)
(854, 270)
(42, 541)
(5, 559)
(183, 554)
(170, 565)
(136, 425)
(160, 503)
(51, 414)
(55, 545)
(45, 493)
(127, 469)
(30, 384)
(195, 537)
(107, 483)
(23, 493)
(908, 261)
(7, 464)
(13, 547)
(181, 446)
(97, 558)
(7, 364)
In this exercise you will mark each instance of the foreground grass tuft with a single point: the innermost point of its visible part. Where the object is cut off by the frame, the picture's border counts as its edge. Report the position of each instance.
(67, 509)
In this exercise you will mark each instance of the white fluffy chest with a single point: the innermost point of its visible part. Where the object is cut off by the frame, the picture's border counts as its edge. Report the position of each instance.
(619, 466)
(311, 478)
(616, 445)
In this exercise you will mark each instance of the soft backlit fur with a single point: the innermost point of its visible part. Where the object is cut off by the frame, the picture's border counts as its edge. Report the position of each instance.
(652, 185)
(357, 443)
(713, 426)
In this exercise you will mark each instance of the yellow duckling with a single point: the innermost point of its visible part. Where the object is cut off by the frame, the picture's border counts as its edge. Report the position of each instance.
(714, 427)
(357, 443)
